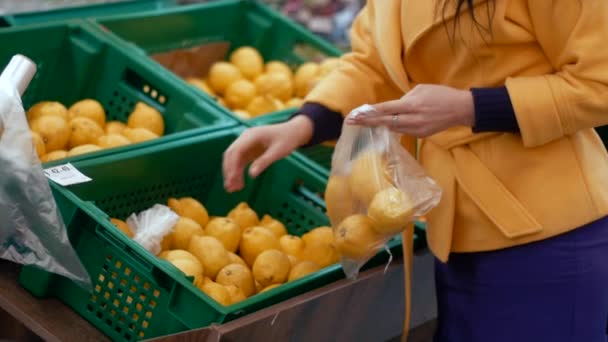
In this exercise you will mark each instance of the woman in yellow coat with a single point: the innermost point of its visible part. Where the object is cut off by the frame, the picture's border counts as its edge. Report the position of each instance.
(503, 96)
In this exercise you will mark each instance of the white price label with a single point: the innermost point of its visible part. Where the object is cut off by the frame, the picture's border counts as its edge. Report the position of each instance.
(65, 175)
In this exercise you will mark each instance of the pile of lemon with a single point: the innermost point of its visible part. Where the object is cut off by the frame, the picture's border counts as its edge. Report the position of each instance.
(250, 87)
(368, 186)
(237, 256)
(59, 132)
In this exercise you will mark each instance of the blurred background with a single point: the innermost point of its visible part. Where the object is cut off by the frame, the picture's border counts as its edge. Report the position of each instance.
(329, 19)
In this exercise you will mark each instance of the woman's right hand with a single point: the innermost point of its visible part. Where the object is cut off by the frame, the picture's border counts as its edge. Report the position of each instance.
(261, 146)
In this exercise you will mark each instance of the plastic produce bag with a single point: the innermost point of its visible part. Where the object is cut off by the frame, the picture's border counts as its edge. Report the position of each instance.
(32, 231)
(152, 225)
(375, 189)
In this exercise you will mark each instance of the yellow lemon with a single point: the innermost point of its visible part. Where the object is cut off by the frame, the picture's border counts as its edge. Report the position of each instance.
(278, 67)
(292, 245)
(191, 208)
(239, 276)
(225, 230)
(236, 294)
(356, 238)
(138, 135)
(271, 267)
(256, 240)
(264, 105)
(293, 260)
(319, 235)
(144, 116)
(218, 292)
(368, 176)
(391, 209)
(201, 85)
(321, 254)
(177, 254)
(277, 85)
(239, 94)
(112, 140)
(249, 61)
(182, 233)
(243, 114)
(83, 149)
(274, 225)
(222, 75)
(115, 127)
(122, 226)
(235, 259)
(244, 216)
(295, 102)
(54, 131)
(302, 269)
(44, 108)
(306, 73)
(84, 131)
(54, 155)
(190, 268)
(88, 108)
(270, 287)
(339, 200)
(210, 252)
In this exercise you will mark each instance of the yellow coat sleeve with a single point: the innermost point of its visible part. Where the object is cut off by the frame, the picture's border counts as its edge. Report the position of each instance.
(573, 35)
(361, 76)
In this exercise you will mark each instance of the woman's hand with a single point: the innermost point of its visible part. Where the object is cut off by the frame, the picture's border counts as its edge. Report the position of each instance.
(425, 110)
(261, 146)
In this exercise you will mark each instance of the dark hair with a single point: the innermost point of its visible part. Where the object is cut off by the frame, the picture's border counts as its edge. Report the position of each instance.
(469, 3)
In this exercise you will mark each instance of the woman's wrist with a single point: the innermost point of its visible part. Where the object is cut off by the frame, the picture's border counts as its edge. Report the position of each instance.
(301, 128)
(466, 109)
(326, 124)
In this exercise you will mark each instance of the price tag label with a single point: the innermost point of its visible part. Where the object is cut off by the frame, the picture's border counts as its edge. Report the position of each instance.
(65, 175)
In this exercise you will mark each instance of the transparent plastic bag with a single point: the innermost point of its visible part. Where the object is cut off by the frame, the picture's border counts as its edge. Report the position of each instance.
(375, 189)
(152, 225)
(32, 231)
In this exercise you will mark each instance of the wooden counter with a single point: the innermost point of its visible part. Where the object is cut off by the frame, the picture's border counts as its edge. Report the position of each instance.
(368, 309)
(49, 319)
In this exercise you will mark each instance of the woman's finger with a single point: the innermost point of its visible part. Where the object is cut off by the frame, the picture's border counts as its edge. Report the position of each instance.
(272, 154)
(412, 124)
(402, 105)
(236, 158)
(375, 120)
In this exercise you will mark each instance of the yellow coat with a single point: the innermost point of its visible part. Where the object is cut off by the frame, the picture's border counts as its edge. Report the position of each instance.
(499, 189)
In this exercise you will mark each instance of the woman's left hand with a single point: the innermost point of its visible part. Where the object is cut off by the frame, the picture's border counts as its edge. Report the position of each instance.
(425, 110)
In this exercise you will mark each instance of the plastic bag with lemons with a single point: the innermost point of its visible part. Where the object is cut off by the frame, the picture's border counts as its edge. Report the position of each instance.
(375, 189)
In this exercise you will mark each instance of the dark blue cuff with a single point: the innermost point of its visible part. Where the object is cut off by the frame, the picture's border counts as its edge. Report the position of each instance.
(493, 111)
(327, 124)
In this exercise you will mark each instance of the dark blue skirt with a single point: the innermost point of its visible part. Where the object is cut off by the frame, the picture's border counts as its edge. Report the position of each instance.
(555, 290)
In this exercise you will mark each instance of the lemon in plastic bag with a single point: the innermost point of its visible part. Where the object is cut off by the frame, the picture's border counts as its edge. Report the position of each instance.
(375, 189)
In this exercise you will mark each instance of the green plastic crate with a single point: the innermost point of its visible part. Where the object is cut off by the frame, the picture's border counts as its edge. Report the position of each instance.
(75, 63)
(139, 296)
(319, 155)
(234, 22)
(84, 11)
